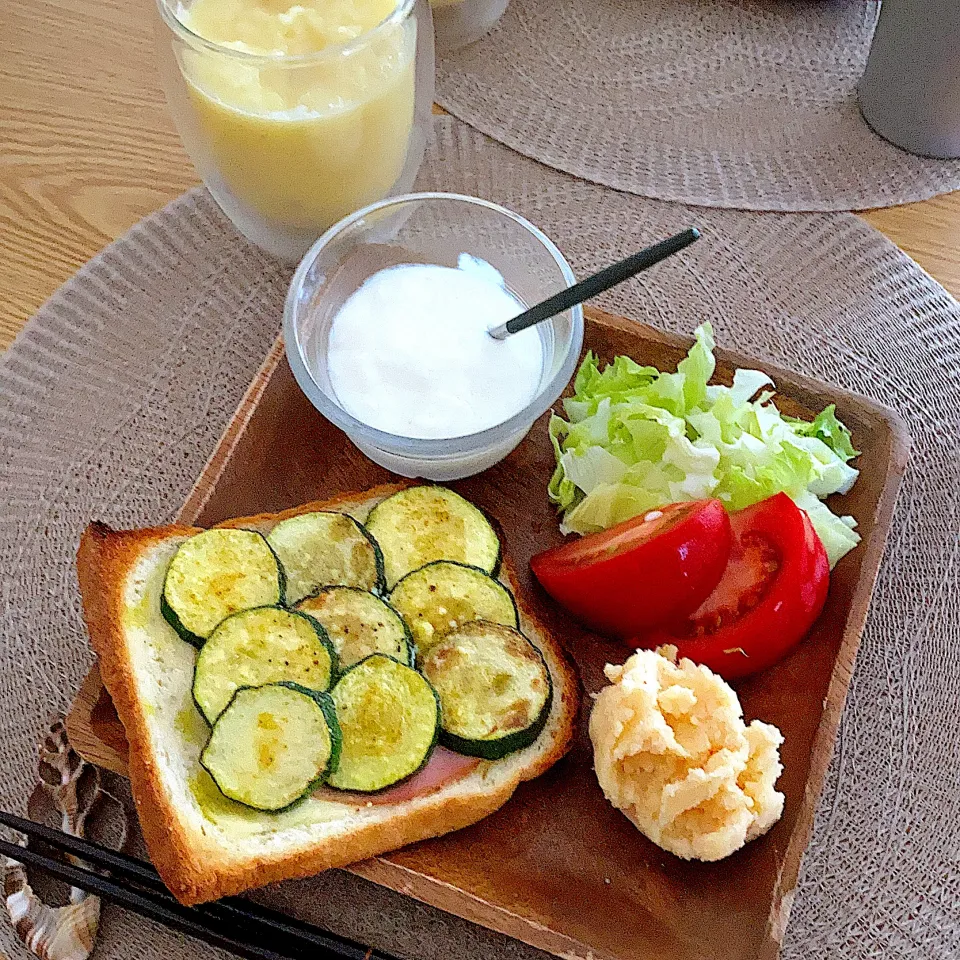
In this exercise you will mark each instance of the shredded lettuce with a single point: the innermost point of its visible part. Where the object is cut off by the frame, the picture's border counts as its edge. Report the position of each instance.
(635, 438)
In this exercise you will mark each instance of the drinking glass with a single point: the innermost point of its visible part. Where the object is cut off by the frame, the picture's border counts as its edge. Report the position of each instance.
(461, 22)
(289, 144)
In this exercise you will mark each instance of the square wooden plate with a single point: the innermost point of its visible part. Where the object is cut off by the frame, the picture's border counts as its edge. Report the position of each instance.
(558, 867)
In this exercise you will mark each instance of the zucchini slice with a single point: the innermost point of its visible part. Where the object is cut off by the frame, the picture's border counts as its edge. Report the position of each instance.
(215, 574)
(390, 718)
(421, 524)
(359, 624)
(326, 549)
(443, 596)
(494, 687)
(260, 646)
(273, 745)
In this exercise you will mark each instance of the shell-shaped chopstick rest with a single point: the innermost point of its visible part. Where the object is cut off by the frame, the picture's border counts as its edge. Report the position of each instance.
(73, 788)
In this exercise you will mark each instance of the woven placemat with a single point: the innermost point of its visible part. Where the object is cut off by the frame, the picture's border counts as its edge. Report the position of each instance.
(116, 392)
(749, 104)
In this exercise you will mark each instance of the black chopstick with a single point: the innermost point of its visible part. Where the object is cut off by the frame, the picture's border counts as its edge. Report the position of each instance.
(597, 283)
(119, 863)
(182, 919)
(229, 910)
(209, 922)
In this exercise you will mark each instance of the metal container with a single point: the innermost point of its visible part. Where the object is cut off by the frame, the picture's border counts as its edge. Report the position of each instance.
(910, 91)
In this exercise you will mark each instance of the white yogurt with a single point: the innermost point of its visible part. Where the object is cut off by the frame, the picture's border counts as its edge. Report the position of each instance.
(409, 352)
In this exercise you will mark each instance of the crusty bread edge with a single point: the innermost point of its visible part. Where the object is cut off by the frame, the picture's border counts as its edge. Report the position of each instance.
(342, 501)
(104, 561)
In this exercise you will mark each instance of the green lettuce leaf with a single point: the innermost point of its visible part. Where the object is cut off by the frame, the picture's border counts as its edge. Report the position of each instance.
(836, 533)
(636, 438)
(828, 429)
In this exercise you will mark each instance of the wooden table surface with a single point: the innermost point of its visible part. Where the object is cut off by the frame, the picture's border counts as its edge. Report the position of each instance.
(87, 149)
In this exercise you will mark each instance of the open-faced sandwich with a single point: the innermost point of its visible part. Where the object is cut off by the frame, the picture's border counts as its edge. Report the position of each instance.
(307, 689)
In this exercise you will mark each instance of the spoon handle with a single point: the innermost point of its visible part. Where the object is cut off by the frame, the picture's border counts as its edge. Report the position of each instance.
(597, 283)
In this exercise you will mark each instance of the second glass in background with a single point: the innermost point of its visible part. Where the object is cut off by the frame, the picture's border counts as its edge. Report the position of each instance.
(458, 23)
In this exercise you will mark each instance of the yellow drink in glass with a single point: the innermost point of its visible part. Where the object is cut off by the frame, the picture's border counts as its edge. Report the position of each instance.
(298, 113)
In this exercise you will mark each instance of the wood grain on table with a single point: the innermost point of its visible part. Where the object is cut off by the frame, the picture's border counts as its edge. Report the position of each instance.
(87, 149)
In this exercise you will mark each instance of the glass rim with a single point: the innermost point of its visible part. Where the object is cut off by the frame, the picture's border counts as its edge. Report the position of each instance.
(427, 446)
(399, 14)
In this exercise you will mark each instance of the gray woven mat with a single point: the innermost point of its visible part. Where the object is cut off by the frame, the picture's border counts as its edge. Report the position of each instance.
(116, 392)
(749, 104)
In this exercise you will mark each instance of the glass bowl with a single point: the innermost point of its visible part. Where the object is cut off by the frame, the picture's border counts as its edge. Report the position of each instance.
(429, 228)
(288, 144)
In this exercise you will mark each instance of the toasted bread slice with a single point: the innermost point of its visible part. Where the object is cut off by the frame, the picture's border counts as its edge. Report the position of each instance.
(206, 847)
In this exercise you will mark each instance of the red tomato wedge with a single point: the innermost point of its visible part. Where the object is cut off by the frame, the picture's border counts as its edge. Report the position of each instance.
(774, 587)
(641, 574)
